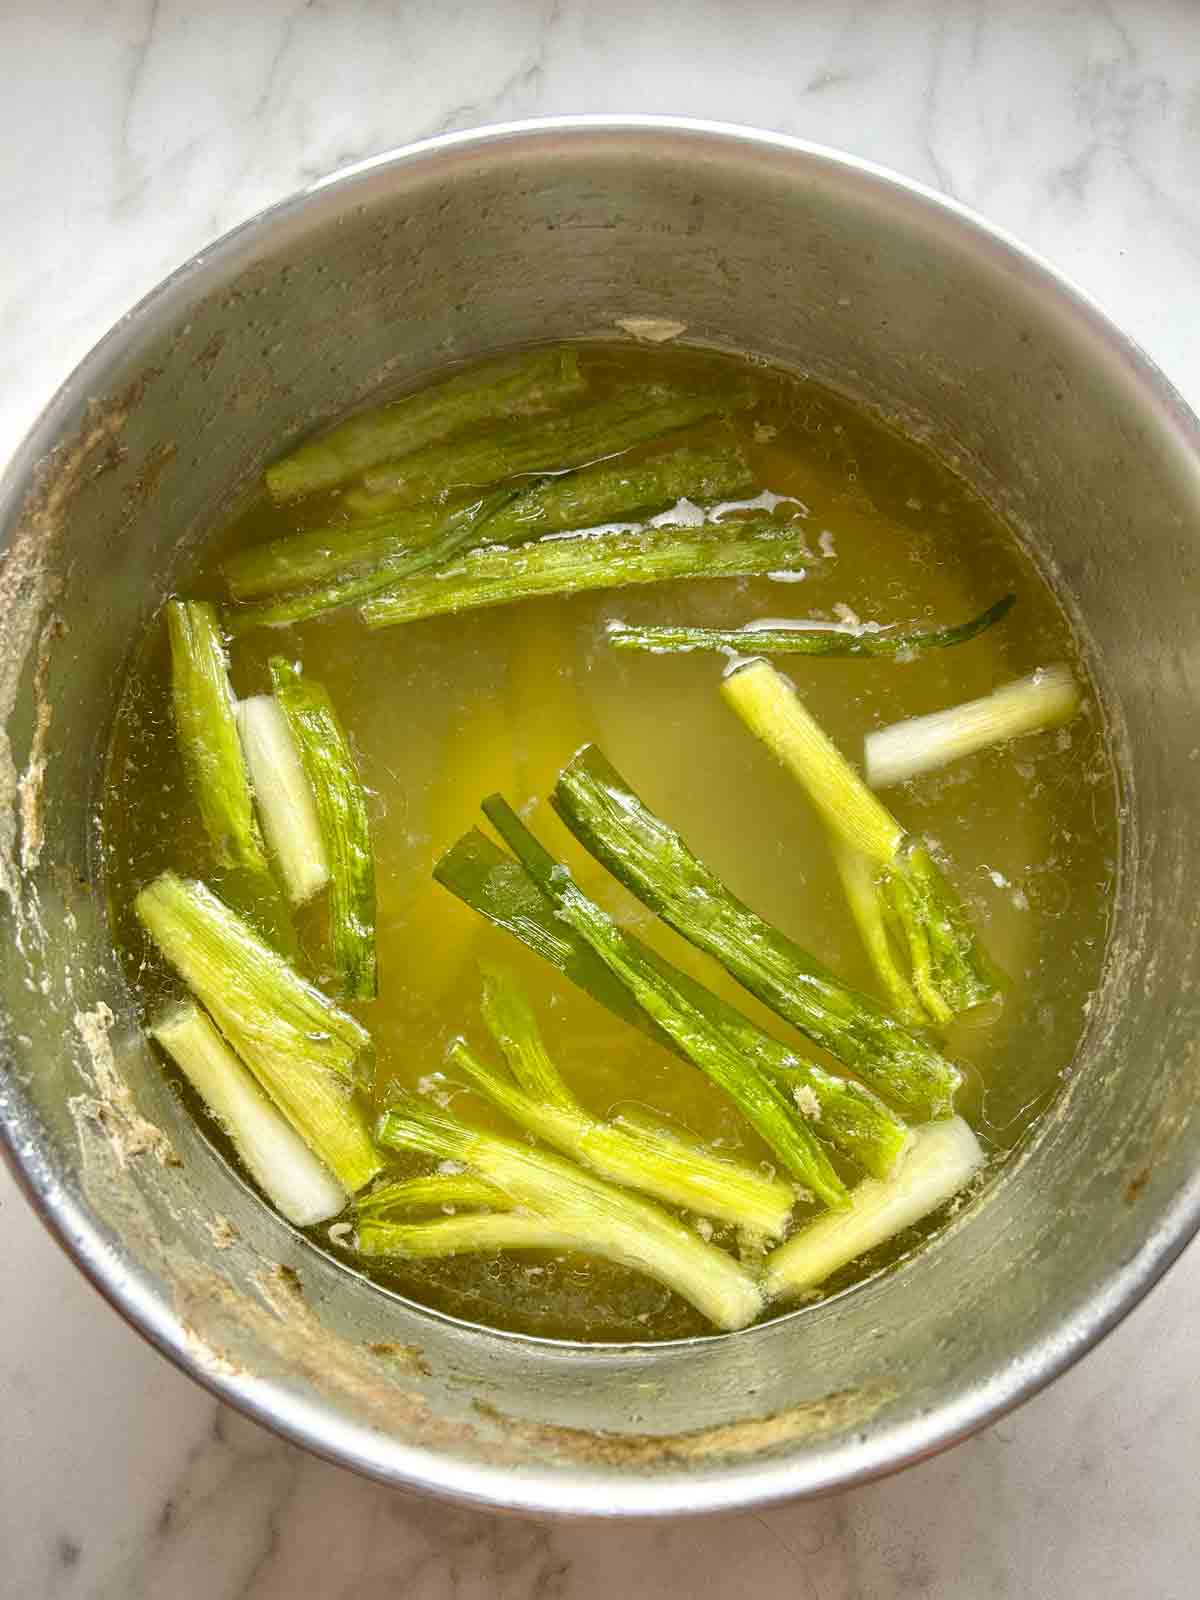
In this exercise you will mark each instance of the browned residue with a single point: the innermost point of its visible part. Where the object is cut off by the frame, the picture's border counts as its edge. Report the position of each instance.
(1135, 1185)
(32, 781)
(842, 1409)
(112, 1106)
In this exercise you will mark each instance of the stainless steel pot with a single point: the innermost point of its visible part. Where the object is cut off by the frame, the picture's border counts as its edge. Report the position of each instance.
(559, 230)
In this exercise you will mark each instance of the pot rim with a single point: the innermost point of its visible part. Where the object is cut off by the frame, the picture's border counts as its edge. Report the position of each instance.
(319, 1427)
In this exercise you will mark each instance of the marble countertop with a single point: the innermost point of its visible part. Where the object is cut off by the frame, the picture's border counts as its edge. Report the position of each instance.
(134, 131)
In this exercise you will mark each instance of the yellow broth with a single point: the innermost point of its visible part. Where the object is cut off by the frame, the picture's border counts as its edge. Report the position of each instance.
(444, 711)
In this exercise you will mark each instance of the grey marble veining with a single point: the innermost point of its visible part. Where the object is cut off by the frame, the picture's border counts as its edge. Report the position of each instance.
(136, 130)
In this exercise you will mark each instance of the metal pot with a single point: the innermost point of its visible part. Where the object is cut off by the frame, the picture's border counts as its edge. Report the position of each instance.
(560, 230)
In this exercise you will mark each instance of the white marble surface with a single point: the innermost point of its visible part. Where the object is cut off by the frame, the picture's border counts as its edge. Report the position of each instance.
(133, 131)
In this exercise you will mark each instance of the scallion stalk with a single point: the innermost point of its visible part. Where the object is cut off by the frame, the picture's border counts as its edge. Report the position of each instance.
(511, 387)
(842, 1111)
(666, 1169)
(1045, 699)
(457, 528)
(501, 574)
(637, 414)
(303, 1049)
(206, 727)
(646, 854)
(341, 806)
(566, 1208)
(669, 1005)
(941, 1160)
(278, 1160)
(609, 491)
(805, 638)
(950, 971)
(285, 800)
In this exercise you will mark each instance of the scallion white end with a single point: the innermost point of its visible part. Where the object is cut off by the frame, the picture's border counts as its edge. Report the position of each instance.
(1045, 699)
(941, 1159)
(278, 1160)
(286, 807)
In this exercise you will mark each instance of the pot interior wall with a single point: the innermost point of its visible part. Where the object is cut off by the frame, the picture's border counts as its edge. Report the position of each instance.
(377, 279)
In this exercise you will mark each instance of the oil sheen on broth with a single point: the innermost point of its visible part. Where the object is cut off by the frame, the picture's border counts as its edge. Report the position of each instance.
(444, 711)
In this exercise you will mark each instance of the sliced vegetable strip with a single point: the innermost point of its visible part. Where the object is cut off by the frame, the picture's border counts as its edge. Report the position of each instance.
(514, 386)
(285, 800)
(610, 491)
(805, 638)
(639, 413)
(436, 1189)
(457, 529)
(1045, 699)
(576, 1211)
(848, 1114)
(942, 1159)
(705, 1044)
(653, 861)
(275, 1156)
(500, 574)
(668, 1169)
(208, 737)
(341, 806)
(950, 971)
(301, 1047)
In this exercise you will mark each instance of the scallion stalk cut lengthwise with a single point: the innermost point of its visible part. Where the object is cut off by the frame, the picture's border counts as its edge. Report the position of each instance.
(436, 1190)
(705, 1044)
(341, 805)
(301, 1047)
(804, 638)
(847, 1113)
(1045, 699)
(515, 386)
(456, 529)
(285, 800)
(949, 969)
(500, 575)
(680, 1174)
(610, 491)
(275, 1156)
(638, 414)
(656, 864)
(941, 1160)
(206, 727)
(564, 1208)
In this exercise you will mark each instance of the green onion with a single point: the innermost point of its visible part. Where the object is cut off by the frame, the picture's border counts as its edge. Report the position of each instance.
(667, 1169)
(610, 491)
(656, 864)
(456, 529)
(804, 638)
(208, 737)
(950, 971)
(345, 831)
(302, 1048)
(488, 880)
(272, 1152)
(435, 1190)
(638, 414)
(285, 801)
(757, 1096)
(942, 1159)
(511, 387)
(1045, 699)
(566, 1208)
(512, 1024)
(500, 574)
